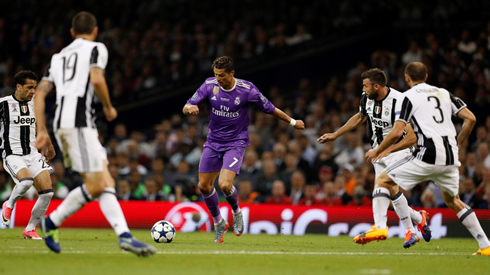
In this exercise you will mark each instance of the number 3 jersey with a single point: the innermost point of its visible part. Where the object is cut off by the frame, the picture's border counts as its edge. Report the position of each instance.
(18, 126)
(429, 109)
(229, 111)
(69, 71)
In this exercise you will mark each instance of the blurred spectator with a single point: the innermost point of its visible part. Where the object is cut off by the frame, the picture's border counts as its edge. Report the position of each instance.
(298, 182)
(340, 187)
(468, 194)
(414, 53)
(360, 198)
(309, 196)
(278, 194)
(151, 191)
(245, 193)
(124, 190)
(136, 185)
(428, 199)
(184, 182)
(266, 178)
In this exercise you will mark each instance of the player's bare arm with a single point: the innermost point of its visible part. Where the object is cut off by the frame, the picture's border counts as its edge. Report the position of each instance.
(469, 121)
(391, 138)
(42, 138)
(190, 109)
(350, 125)
(297, 124)
(409, 140)
(97, 79)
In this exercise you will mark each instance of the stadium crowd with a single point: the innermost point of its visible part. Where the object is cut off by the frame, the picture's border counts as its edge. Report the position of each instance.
(281, 165)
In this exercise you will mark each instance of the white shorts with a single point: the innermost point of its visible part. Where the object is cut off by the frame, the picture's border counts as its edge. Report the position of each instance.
(34, 162)
(81, 149)
(381, 165)
(410, 171)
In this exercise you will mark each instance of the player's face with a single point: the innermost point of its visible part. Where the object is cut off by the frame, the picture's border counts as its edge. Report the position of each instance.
(225, 79)
(27, 91)
(370, 89)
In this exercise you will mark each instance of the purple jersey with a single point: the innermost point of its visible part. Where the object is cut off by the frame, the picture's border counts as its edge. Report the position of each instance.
(229, 115)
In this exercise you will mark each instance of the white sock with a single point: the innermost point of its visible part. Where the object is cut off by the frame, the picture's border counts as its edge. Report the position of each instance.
(19, 190)
(75, 200)
(415, 215)
(381, 202)
(469, 219)
(403, 211)
(39, 208)
(112, 211)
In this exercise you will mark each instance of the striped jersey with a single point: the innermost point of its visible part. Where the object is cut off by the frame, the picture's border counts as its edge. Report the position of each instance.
(69, 70)
(430, 109)
(380, 115)
(18, 126)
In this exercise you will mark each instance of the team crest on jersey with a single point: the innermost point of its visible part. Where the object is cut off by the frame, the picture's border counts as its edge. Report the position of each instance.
(215, 90)
(23, 108)
(387, 110)
(237, 101)
(14, 107)
(377, 110)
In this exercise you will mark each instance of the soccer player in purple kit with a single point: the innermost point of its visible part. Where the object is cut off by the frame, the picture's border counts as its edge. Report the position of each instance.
(229, 100)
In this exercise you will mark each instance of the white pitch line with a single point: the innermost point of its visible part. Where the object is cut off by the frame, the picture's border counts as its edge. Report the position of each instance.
(247, 253)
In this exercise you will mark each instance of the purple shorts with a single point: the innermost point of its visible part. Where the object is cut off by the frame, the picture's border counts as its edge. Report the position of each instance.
(214, 161)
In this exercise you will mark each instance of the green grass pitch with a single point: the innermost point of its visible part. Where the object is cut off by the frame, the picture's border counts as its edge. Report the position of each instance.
(91, 252)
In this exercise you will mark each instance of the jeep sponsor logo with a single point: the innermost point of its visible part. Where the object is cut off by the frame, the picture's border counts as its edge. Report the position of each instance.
(380, 123)
(25, 120)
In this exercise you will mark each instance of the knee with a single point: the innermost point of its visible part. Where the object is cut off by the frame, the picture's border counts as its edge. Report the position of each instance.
(205, 187)
(95, 190)
(224, 185)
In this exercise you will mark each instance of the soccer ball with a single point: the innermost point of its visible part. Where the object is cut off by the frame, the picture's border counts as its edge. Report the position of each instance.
(163, 232)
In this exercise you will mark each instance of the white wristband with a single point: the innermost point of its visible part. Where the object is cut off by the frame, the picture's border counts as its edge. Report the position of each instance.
(292, 122)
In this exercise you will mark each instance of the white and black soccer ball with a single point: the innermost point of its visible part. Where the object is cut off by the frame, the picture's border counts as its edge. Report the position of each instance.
(163, 232)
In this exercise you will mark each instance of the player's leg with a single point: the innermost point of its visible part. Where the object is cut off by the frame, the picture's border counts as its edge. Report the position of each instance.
(17, 168)
(42, 182)
(406, 173)
(232, 161)
(209, 167)
(383, 164)
(449, 187)
(111, 209)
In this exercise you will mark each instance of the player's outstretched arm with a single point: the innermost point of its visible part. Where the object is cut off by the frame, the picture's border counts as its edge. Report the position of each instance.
(97, 79)
(350, 125)
(190, 109)
(391, 138)
(468, 124)
(42, 137)
(297, 124)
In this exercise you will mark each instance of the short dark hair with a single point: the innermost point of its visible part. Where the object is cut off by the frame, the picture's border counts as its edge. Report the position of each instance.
(375, 76)
(83, 23)
(224, 62)
(416, 70)
(20, 77)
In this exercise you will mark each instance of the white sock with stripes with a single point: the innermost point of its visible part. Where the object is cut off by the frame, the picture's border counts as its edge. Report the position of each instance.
(469, 219)
(39, 208)
(19, 190)
(403, 211)
(381, 202)
(75, 200)
(112, 211)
